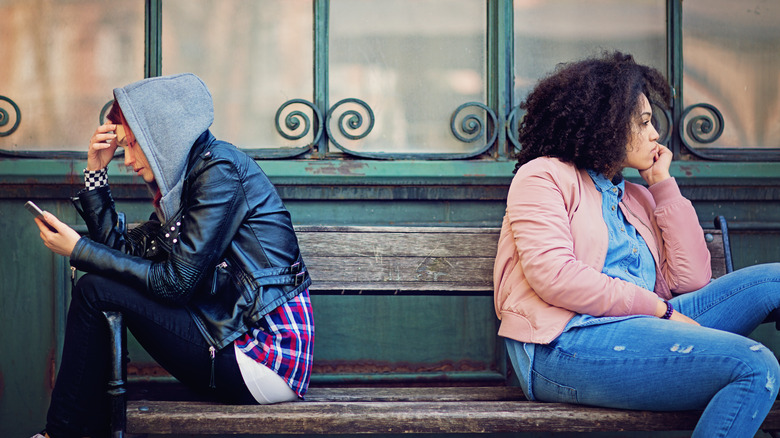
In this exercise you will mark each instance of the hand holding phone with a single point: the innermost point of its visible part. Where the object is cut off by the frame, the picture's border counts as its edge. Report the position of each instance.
(37, 212)
(62, 240)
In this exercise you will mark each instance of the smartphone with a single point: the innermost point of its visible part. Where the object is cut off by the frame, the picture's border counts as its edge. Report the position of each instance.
(37, 212)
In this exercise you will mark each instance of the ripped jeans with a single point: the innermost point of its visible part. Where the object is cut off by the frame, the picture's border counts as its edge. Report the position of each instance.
(648, 363)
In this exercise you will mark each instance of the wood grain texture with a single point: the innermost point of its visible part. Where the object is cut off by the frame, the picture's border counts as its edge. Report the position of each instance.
(401, 413)
(415, 259)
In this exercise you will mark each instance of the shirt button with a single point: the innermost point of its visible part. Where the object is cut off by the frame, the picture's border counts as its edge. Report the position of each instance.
(613, 208)
(635, 250)
(167, 235)
(175, 240)
(614, 190)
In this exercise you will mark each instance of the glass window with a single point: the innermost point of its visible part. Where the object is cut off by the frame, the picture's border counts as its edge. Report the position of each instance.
(551, 32)
(60, 61)
(254, 57)
(731, 62)
(413, 63)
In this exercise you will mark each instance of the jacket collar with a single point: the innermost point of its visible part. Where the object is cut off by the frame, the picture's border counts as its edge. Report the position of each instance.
(200, 150)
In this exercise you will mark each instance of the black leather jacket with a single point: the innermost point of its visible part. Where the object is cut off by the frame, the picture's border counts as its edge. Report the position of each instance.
(229, 256)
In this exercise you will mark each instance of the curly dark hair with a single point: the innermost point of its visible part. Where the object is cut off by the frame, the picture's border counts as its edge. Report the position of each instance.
(582, 112)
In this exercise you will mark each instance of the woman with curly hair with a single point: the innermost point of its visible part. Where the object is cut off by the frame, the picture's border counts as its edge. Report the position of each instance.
(603, 287)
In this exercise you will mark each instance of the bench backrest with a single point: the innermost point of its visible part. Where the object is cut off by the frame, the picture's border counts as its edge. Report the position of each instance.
(390, 260)
(415, 260)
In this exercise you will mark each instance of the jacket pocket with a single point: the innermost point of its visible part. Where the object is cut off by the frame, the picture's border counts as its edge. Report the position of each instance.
(228, 282)
(222, 278)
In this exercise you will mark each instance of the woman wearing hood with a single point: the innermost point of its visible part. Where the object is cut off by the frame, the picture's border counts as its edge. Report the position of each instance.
(212, 286)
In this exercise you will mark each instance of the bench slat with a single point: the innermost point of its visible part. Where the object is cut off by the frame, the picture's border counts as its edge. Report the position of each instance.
(354, 229)
(393, 417)
(173, 390)
(401, 417)
(377, 273)
(416, 244)
(416, 394)
(369, 259)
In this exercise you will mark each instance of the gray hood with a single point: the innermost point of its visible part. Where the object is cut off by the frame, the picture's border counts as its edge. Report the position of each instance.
(167, 114)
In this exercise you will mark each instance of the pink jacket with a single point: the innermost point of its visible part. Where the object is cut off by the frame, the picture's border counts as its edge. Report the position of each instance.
(553, 244)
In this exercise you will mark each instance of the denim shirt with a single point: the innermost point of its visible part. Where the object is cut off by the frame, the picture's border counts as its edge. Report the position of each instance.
(628, 258)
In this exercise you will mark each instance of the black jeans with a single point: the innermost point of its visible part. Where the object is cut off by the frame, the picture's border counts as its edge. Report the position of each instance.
(79, 404)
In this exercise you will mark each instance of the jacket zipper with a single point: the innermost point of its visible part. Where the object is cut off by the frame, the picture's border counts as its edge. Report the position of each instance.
(212, 350)
(210, 341)
(213, 354)
(637, 217)
(222, 265)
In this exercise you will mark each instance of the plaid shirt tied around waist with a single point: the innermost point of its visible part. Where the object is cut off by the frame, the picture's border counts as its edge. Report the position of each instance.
(283, 341)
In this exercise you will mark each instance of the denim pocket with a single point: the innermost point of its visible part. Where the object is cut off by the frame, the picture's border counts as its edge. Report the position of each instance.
(545, 389)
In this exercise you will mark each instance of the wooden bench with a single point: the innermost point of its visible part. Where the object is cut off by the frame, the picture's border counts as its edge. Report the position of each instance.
(398, 261)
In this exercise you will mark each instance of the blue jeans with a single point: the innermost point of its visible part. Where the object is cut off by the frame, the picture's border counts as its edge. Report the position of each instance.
(78, 402)
(648, 363)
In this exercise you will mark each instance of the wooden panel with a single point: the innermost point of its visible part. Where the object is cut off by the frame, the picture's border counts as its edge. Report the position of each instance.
(401, 417)
(404, 273)
(377, 242)
(422, 259)
(172, 390)
(714, 240)
(399, 259)
(416, 394)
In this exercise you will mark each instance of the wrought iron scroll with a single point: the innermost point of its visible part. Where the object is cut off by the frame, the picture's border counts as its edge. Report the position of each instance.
(475, 126)
(294, 119)
(350, 123)
(297, 125)
(356, 124)
(513, 126)
(5, 118)
(704, 129)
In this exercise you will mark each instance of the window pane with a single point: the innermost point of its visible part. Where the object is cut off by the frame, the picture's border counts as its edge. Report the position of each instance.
(731, 61)
(254, 56)
(554, 31)
(60, 61)
(413, 62)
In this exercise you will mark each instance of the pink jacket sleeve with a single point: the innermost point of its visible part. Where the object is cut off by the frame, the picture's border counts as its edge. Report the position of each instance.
(685, 261)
